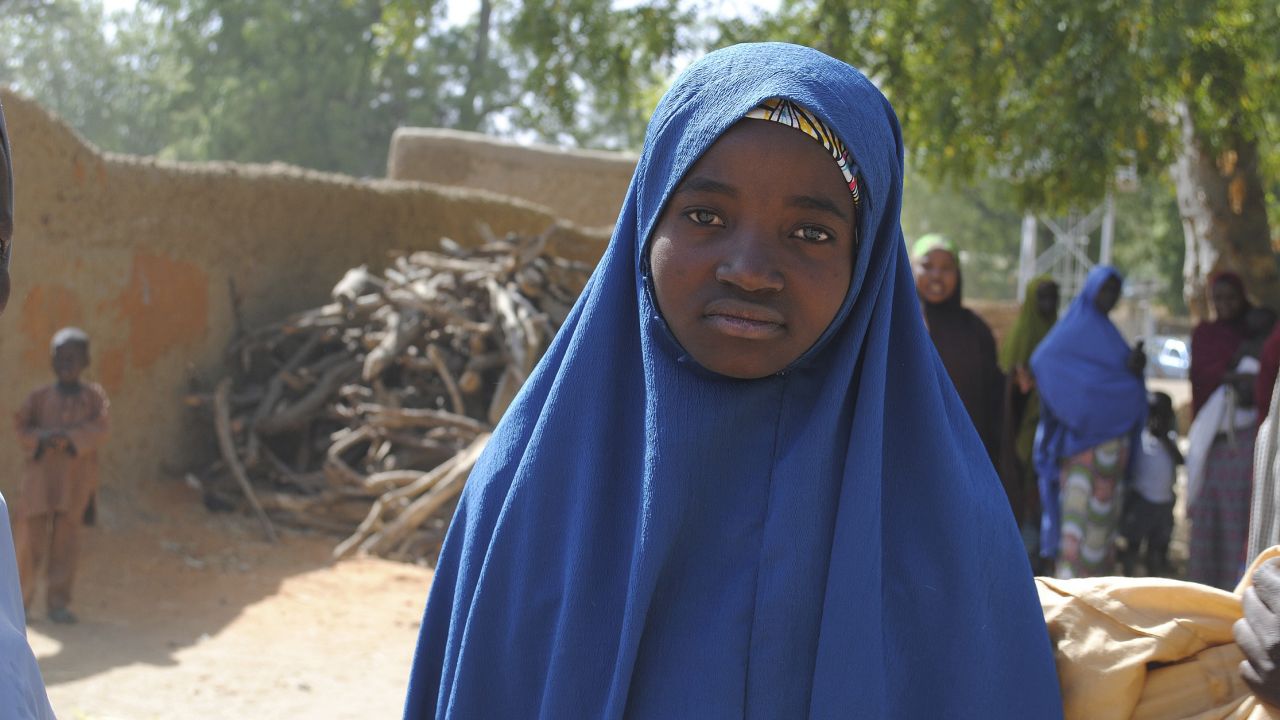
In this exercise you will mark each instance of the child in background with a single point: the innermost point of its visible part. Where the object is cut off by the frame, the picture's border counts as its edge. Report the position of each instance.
(1148, 513)
(60, 426)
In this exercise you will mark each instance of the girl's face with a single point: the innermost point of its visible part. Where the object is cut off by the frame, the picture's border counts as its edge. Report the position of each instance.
(937, 276)
(753, 254)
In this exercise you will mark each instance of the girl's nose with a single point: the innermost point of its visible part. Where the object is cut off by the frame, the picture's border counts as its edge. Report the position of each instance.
(750, 264)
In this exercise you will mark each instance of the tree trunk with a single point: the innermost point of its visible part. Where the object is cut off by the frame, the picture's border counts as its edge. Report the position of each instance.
(471, 115)
(1222, 202)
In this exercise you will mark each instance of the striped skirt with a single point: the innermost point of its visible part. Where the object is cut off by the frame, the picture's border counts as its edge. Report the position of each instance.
(1220, 515)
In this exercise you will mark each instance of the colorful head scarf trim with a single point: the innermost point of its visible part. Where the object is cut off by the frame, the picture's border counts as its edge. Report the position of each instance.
(795, 115)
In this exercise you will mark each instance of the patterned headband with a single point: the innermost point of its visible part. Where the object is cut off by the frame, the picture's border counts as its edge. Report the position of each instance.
(795, 115)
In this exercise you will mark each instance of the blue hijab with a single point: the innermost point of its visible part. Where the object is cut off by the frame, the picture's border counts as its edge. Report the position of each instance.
(645, 539)
(1087, 393)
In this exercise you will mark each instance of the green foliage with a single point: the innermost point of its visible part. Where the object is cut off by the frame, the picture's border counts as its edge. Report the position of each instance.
(1149, 244)
(1054, 95)
(1005, 104)
(294, 80)
(317, 83)
(108, 77)
(324, 83)
(590, 68)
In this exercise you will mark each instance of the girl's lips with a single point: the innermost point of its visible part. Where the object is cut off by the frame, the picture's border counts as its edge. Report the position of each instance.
(744, 320)
(743, 328)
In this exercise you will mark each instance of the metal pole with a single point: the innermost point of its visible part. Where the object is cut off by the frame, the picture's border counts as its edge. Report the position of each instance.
(1108, 229)
(1027, 257)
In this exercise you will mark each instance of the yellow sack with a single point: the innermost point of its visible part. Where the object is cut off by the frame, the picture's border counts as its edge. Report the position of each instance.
(1149, 649)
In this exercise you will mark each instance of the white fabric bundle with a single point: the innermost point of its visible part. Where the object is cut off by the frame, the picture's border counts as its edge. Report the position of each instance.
(1220, 414)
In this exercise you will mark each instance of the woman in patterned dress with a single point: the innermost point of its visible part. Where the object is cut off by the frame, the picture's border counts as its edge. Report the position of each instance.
(1093, 404)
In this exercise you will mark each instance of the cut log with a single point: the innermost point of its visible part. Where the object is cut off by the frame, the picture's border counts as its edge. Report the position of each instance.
(222, 420)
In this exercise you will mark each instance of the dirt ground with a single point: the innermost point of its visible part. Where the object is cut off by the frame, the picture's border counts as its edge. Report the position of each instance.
(187, 614)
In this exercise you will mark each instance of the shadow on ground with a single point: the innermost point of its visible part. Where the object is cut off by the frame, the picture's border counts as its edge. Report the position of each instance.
(159, 579)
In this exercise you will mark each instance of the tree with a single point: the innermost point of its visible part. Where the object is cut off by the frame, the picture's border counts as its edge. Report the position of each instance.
(1055, 95)
(110, 78)
(465, 69)
(293, 80)
(1149, 240)
(312, 82)
(568, 71)
(1006, 104)
(591, 68)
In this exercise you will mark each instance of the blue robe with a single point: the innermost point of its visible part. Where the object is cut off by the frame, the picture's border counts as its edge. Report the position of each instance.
(645, 539)
(22, 693)
(1088, 396)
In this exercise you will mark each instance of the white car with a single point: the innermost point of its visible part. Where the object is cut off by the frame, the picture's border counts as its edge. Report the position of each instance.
(1168, 357)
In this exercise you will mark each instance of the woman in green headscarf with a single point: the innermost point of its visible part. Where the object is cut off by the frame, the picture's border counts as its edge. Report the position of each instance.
(964, 341)
(1022, 405)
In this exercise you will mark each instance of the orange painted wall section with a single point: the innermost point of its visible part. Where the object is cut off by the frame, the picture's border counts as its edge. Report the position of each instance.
(45, 310)
(162, 307)
(166, 306)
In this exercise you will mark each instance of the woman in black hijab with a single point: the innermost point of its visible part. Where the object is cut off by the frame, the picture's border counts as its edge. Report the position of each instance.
(963, 340)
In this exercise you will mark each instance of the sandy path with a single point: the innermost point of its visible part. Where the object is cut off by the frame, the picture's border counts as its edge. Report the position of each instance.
(185, 615)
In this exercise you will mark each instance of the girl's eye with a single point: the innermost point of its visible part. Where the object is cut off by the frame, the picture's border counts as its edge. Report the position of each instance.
(704, 217)
(813, 234)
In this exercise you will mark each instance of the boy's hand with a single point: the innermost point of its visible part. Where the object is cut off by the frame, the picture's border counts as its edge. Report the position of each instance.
(55, 440)
(1258, 634)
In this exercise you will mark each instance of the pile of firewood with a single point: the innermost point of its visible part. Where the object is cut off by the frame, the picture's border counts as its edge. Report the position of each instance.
(364, 417)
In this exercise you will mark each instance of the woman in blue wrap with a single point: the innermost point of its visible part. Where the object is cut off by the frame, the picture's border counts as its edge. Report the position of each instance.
(1093, 407)
(739, 483)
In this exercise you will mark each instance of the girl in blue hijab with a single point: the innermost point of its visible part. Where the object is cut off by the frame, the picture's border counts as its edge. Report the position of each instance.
(1093, 406)
(739, 483)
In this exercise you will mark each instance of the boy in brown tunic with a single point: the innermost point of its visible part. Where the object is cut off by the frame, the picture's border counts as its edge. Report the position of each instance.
(60, 427)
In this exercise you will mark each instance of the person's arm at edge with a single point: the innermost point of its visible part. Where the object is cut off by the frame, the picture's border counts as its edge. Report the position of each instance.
(22, 691)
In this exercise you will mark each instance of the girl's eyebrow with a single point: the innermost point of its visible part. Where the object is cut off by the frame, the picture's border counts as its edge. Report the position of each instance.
(811, 202)
(699, 183)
